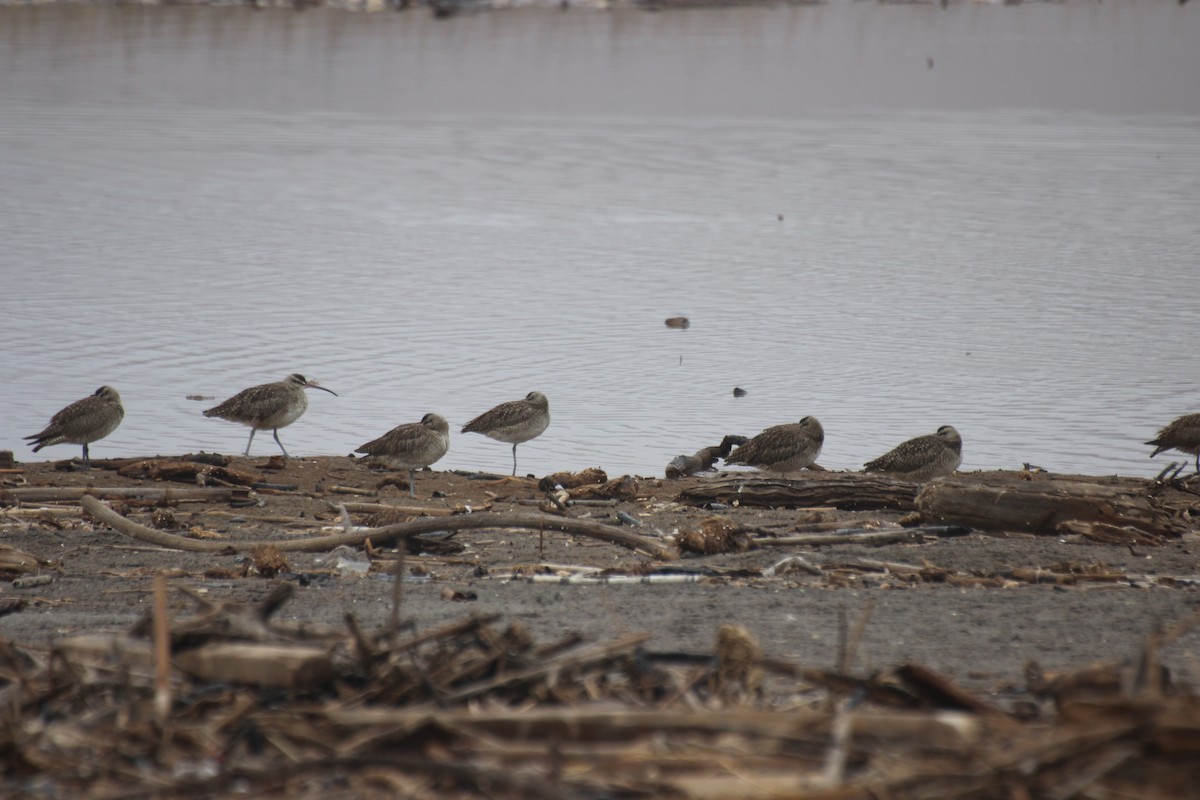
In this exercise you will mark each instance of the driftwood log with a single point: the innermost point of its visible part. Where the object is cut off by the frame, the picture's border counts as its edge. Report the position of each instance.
(39, 494)
(848, 492)
(1043, 507)
(388, 533)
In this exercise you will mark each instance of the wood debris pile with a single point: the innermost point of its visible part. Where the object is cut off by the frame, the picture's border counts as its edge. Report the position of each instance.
(226, 702)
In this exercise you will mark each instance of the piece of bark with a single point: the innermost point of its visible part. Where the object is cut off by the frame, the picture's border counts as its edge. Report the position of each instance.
(572, 480)
(106, 650)
(1040, 507)
(186, 472)
(282, 666)
(1103, 533)
(940, 692)
(15, 562)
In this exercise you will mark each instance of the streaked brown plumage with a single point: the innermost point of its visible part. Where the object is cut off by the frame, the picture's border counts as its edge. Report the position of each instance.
(923, 458)
(82, 422)
(1182, 434)
(782, 448)
(270, 406)
(412, 446)
(515, 421)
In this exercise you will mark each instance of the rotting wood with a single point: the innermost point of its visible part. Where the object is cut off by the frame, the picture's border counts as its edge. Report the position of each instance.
(389, 533)
(186, 472)
(1041, 506)
(848, 492)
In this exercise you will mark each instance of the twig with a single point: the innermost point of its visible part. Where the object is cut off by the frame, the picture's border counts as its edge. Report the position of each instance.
(856, 635)
(162, 652)
(397, 594)
(863, 536)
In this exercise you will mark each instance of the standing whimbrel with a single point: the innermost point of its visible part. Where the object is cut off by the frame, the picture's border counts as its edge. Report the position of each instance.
(923, 458)
(84, 421)
(269, 406)
(782, 448)
(515, 421)
(412, 445)
(1183, 435)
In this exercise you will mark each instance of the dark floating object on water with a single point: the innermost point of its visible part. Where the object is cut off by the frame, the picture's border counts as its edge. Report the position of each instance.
(678, 322)
(702, 460)
(739, 392)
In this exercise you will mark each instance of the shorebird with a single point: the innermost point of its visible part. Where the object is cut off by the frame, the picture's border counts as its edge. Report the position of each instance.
(269, 406)
(84, 421)
(782, 448)
(923, 458)
(1183, 435)
(412, 445)
(515, 421)
(702, 460)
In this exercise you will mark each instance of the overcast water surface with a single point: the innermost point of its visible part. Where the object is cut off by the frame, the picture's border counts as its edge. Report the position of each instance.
(888, 217)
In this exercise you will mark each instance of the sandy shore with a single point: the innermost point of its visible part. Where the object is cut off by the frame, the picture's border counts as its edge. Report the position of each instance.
(966, 616)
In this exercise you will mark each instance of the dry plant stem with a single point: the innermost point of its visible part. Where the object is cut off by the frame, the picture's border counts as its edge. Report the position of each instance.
(162, 652)
(397, 594)
(856, 634)
(386, 534)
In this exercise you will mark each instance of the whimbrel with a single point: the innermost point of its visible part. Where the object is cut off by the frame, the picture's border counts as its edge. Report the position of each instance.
(269, 406)
(1183, 435)
(782, 448)
(84, 421)
(515, 421)
(923, 458)
(412, 445)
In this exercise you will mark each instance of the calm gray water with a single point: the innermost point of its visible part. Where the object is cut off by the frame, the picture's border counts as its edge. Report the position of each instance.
(990, 218)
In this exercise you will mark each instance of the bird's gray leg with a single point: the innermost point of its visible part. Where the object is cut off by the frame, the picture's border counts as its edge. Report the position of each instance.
(1198, 463)
(87, 462)
(248, 441)
(285, 455)
(411, 492)
(514, 461)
